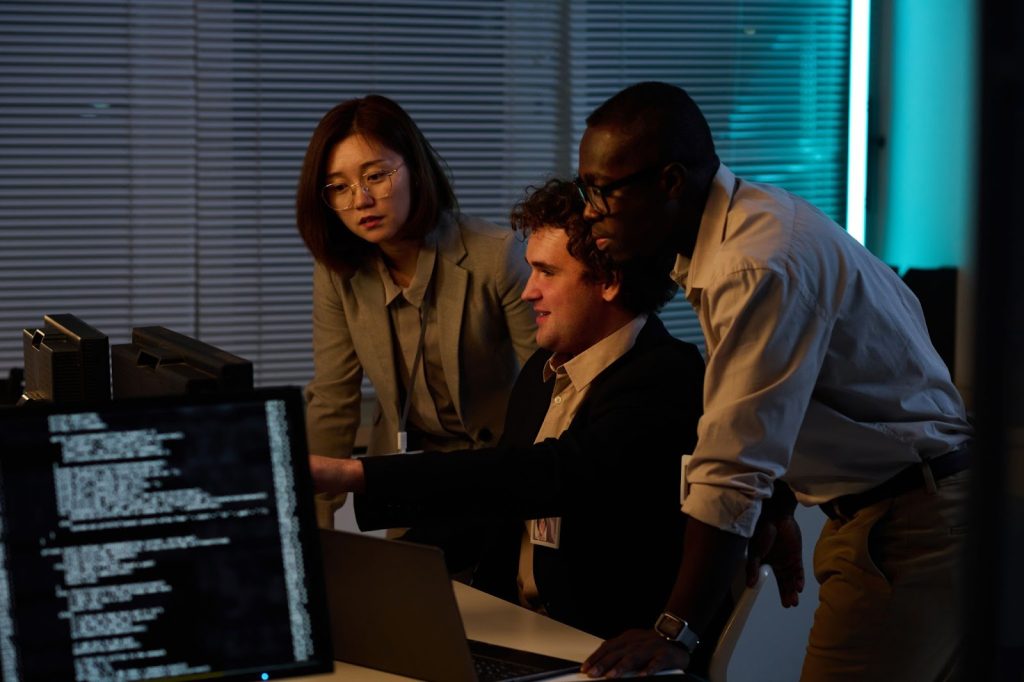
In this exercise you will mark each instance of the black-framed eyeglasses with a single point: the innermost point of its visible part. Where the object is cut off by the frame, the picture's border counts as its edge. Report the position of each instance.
(597, 195)
(342, 197)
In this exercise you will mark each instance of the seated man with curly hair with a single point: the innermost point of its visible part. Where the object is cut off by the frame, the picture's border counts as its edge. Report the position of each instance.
(596, 426)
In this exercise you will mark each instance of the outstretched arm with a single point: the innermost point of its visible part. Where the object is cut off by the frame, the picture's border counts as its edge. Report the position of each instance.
(335, 476)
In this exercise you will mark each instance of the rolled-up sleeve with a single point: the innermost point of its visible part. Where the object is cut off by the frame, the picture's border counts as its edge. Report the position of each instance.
(766, 338)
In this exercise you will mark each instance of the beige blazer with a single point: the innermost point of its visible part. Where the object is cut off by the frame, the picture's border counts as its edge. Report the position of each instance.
(487, 332)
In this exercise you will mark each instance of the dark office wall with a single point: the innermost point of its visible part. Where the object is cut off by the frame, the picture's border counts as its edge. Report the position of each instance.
(997, 572)
(936, 289)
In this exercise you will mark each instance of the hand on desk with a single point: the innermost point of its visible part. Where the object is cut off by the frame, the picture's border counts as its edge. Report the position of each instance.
(332, 475)
(635, 651)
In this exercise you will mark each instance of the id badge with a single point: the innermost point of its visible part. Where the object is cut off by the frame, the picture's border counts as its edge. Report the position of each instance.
(545, 532)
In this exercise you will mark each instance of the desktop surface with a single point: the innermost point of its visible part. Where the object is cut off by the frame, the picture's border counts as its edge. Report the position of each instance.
(497, 621)
(493, 620)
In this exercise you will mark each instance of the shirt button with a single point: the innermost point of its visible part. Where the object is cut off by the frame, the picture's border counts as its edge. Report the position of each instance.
(558, 400)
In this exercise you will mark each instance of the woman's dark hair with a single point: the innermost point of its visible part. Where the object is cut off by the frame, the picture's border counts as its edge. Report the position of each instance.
(383, 121)
(644, 283)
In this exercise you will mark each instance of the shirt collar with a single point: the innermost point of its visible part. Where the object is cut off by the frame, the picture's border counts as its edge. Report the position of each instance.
(693, 272)
(584, 367)
(417, 289)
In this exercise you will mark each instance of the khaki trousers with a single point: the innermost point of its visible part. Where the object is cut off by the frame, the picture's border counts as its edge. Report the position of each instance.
(891, 584)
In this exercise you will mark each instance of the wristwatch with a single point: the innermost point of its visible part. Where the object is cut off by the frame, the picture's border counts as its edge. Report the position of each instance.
(674, 629)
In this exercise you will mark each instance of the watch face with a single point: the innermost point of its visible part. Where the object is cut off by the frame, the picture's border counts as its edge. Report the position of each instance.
(668, 626)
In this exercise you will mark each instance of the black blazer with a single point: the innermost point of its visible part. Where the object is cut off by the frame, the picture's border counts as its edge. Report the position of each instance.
(613, 476)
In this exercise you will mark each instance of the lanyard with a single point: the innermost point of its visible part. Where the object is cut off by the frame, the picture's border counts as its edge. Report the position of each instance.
(403, 435)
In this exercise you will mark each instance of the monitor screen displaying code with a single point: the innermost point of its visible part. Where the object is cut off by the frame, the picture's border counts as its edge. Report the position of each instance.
(159, 539)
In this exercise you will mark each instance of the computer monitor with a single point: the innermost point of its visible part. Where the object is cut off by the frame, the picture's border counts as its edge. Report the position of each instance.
(66, 361)
(160, 361)
(170, 538)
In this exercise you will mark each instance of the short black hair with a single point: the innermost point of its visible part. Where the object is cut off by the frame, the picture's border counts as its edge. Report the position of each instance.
(644, 283)
(664, 116)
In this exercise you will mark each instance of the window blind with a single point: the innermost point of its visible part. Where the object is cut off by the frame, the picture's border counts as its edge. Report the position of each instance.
(175, 133)
(97, 166)
(771, 77)
(149, 150)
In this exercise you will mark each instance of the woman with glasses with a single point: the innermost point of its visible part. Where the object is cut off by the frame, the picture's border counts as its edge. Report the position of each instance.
(407, 291)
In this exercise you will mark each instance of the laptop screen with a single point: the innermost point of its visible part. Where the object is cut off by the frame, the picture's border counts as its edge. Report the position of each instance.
(160, 538)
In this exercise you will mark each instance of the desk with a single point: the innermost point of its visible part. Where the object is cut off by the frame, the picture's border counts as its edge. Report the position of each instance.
(494, 620)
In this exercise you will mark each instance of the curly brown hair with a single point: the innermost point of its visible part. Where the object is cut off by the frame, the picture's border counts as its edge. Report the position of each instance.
(644, 283)
(558, 204)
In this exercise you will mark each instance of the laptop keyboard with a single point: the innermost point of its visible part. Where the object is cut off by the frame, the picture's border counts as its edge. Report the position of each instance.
(495, 663)
(495, 670)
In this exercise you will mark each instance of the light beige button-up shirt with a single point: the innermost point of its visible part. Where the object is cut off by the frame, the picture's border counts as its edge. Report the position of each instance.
(820, 368)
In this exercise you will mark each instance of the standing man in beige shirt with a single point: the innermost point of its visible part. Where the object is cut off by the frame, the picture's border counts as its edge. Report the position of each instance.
(821, 383)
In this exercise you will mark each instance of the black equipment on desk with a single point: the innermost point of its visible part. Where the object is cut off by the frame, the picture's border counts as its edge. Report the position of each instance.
(66, 361)
(160, 361)
(170, 538)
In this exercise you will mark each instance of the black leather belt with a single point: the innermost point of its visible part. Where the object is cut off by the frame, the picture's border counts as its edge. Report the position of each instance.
(911, 478)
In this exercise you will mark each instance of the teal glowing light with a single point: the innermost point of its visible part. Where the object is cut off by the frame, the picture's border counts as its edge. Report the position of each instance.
(857, 143)
(929, 216)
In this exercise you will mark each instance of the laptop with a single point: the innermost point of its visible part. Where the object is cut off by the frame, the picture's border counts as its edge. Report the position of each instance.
(392, 607)
(170, 538)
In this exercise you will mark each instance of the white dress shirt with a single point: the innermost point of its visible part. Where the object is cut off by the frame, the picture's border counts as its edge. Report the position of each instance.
(820, 368)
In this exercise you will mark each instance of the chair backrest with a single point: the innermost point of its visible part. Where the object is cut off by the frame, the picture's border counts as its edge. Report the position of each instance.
(745, 599)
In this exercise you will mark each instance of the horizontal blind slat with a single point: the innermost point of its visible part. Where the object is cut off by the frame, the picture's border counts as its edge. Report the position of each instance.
(175, 133)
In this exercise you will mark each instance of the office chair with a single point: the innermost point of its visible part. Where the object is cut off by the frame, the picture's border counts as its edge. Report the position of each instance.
(726, 645)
